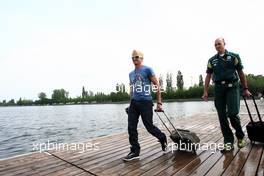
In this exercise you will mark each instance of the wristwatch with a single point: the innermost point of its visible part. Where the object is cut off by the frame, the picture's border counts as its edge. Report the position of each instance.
(159, 103)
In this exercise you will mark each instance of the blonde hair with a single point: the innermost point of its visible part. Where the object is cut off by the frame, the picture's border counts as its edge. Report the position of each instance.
(137, 53)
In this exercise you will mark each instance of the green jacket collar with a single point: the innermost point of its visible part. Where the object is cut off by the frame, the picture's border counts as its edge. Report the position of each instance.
(226, 53)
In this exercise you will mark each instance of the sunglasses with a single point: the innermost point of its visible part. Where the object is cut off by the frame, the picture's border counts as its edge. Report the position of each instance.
(135, 57)
(217, 44)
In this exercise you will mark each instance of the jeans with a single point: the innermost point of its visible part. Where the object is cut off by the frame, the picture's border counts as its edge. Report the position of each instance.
(145, 110)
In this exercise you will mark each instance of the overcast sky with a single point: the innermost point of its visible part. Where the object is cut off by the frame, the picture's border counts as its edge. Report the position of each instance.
(45, 45)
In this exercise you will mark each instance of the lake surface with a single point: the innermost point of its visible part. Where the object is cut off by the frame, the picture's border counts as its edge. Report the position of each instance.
(20, 127)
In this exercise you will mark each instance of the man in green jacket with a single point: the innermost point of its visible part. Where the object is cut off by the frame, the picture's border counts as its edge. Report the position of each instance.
(226, 69)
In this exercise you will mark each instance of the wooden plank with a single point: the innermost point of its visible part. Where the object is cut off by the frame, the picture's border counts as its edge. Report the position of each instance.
(153, 167)
(102, 142)
(179, 164)
(111, 157)
(237, 163)
(119, 166)
(51, 165)
(239, 159)
(78, 163)
(128, 166)
(53, 170)
(206, 165)
(29, 160)
(24, 166)
(36, 165)
(261, 165)
(69, 171)
(18, 162)
(83, 158)
(73, 156)
(190, 167)
(119, 158)
(124, 165)
(83, 174)
(252, 162)
(33, 167)
(223, 163)
(173, 169)
(25, 158)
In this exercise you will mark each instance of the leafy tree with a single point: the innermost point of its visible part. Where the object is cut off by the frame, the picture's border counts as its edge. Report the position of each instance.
(255, 83)
(84, 93)
(43, 100)
(11, 102)
(201, 81)
(91, 94)
(123, 88)
(117, 87)
(161, 83)
(59, 96)
(180, 82)
(19, 102)
(42, 96)
(169, 82)
(24, 102)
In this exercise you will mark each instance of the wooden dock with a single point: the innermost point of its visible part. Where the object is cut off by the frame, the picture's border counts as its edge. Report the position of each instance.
(108, 159)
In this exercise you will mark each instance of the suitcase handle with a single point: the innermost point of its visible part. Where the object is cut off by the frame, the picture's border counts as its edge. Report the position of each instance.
(255, 104)
(160, 110)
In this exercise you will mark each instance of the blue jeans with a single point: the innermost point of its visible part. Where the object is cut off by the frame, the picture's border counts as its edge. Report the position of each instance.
(145, 110)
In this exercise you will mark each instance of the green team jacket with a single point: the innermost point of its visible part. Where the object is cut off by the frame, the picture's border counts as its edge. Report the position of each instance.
(224, 68)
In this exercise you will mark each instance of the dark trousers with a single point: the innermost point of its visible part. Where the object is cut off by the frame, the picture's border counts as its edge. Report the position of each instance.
(145, 110)
(227, 103)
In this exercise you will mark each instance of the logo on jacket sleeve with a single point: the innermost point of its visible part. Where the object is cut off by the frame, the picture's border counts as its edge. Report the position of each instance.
(228, 58)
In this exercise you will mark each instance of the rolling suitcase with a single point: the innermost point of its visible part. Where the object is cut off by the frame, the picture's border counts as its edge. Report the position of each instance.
(255, 129)
(180, 136)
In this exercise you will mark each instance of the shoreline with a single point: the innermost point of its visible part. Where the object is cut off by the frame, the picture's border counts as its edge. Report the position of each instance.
(119, 102)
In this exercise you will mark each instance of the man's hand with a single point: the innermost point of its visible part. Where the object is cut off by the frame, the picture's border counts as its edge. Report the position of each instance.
(155, 81)
(246, 93)
(159, 107)
(206, 86)
(243, 80)
(205, 96)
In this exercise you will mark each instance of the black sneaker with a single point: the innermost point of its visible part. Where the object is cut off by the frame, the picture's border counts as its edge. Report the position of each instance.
(163, 144)
(131, 156)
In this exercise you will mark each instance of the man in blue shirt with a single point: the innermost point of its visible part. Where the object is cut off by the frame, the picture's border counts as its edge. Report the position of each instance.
(141, 80)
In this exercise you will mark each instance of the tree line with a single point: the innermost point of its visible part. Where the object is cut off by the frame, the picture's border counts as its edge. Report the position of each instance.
(61, 96)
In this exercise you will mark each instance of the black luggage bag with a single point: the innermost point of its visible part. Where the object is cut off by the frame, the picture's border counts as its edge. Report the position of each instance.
(255, 129)
(180, 136)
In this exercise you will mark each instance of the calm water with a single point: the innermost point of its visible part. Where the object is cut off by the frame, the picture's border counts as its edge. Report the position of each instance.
(20, 127)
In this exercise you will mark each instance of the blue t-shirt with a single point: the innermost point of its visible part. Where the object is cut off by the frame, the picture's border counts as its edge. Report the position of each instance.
(140, 83)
